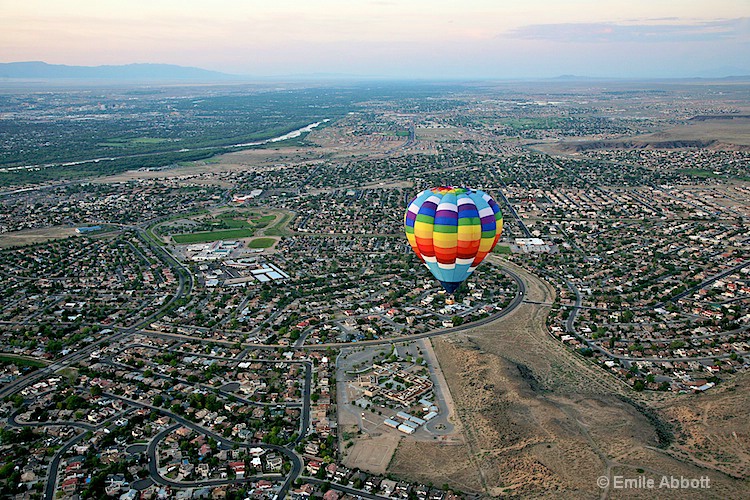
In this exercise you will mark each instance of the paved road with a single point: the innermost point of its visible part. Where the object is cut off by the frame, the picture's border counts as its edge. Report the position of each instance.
(206, 387)
(570, 322)
(707, 282)
(52, 469)
(74, 357)
(517, 301)
(13, 421)
(304, 425)
(153, 468)
(409, 141)
(296, 460)
(184, 286)
(595, 346)
(27, 380)
(439, 390)
(513, 212)
(346, 489)
(49, 490)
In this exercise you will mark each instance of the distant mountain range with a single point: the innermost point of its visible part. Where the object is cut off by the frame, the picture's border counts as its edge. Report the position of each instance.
(139, 72)
(145, 71)
(577, 78)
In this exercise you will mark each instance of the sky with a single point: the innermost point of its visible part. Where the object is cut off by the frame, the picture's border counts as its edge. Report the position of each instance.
(456, 39)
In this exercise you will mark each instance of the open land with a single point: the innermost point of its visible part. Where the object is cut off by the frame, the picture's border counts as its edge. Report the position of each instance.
(254, 322)
(34, 236)
(542, 423)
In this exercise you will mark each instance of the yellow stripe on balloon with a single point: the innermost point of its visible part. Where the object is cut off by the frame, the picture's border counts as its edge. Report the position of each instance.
(469, 233)
(445, 240)
(486, 244)
(423, 230)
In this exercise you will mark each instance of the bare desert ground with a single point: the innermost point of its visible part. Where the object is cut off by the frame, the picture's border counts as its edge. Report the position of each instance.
(719, 133)
(372, 453)
(541, 422)
(34, 236)
(726, 131)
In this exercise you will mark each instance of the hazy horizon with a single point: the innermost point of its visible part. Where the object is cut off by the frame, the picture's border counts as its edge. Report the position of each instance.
(415, 40)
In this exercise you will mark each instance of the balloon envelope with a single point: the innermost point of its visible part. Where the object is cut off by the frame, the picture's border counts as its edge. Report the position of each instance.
(452, 229)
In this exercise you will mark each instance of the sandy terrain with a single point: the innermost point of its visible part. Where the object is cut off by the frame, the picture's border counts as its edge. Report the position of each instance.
(34, 236)
(542, 422)
(712, 133)
(372, 453)
(735, 131)
(713, 428)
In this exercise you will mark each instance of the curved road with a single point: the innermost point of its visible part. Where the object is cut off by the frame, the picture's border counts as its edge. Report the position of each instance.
(49, 489)
(185, 286)
(517, 300)
(346, 489)
(153, 468)
(295, 459)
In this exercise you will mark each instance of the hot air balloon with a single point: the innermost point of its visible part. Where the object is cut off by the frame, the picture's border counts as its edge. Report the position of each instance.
(452, 229)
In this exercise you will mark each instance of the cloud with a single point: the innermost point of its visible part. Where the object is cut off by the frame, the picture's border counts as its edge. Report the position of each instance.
(654, 31)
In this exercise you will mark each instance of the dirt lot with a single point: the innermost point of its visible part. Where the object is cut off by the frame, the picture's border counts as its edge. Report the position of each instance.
(372, 453)
(34, 236)
(542, 422)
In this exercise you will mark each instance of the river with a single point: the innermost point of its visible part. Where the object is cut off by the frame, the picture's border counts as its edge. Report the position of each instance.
(288, 135)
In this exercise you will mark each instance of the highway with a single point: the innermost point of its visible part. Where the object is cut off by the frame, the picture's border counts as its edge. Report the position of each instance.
(570, 322)
(409, 141)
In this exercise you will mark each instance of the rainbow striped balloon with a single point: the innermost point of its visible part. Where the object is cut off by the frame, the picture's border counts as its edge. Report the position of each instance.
(452, 229)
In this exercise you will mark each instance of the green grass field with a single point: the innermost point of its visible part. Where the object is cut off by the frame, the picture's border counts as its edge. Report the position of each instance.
(697, 172)
(20, 361)
(501, 249)
(263, 221)
(279, 229)
(225, 234)
(261, 243)
(234, 223)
